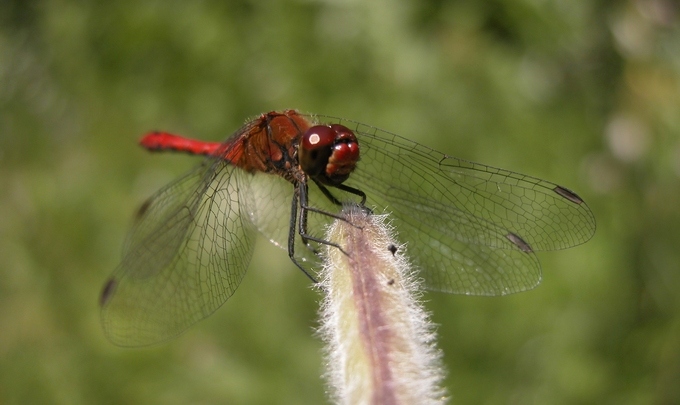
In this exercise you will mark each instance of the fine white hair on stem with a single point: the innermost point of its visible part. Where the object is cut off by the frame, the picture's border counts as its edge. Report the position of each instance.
(380, 343)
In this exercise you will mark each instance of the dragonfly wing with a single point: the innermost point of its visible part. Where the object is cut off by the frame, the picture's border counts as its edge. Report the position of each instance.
(473, 229)
(448, 262)
(546, 215)
(185, 256)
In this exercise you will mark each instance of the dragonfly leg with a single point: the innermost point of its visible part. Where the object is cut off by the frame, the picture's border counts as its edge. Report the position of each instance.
(354, 191)
(304, 211)
(343, 187)
(292, 232)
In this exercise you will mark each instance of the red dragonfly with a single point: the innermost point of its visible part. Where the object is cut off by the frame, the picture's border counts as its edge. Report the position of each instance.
(469, 228)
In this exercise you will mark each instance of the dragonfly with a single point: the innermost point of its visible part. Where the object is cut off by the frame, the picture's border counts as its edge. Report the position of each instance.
(469, 228)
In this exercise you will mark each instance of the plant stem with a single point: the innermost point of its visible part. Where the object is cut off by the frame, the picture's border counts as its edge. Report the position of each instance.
(380, 342)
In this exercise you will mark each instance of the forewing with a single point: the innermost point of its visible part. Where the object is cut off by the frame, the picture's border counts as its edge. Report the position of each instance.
(472, 229)
(185, 256)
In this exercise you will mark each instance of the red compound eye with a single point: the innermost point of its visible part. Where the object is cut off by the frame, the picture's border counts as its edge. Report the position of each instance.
(315, 149)
(328, 153)
(342, 132)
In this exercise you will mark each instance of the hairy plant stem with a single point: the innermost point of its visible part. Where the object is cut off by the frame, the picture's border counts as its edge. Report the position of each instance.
(380, 343)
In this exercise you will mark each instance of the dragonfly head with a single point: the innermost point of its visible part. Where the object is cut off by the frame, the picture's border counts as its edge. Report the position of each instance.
(328, 153)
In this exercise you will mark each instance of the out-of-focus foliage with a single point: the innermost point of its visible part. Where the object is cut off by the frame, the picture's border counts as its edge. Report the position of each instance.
(586, 94)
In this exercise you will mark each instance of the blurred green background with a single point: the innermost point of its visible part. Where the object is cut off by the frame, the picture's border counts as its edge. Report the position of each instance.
(586, 94)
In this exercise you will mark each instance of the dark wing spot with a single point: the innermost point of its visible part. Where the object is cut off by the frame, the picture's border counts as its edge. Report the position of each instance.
(519, 242)
(107, 291)
(568, 194)
(392, 249)
(143, 209)
(390, 281)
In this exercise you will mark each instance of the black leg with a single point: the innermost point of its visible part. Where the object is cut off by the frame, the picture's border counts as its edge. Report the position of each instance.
(304, 209)
(354, 191)
(348, 189)
(328, 194)
(292, 233)
(298, 224)
(342, 187)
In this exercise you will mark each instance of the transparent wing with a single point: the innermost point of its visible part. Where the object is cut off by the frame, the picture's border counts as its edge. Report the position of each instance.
(270, 201)
(185, 256)
(471, 228)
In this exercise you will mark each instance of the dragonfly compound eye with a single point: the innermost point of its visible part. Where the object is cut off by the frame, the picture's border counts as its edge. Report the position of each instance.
(329, 153)
(315, 149)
